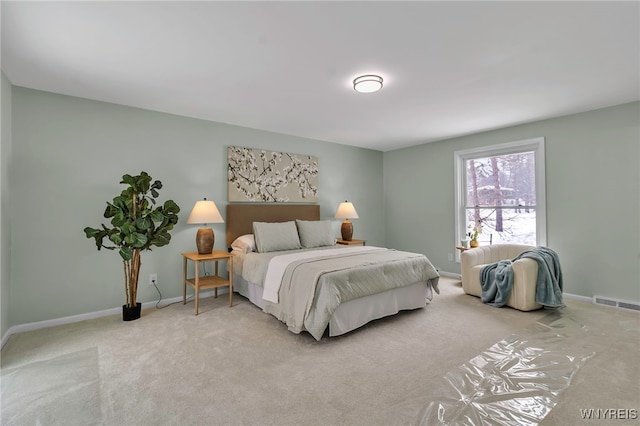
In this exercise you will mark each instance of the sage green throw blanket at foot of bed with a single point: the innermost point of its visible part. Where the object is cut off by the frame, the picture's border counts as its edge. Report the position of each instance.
(496, 279)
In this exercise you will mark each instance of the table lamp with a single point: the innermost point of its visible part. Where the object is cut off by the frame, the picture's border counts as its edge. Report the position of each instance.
(346, 211)
(205, 212)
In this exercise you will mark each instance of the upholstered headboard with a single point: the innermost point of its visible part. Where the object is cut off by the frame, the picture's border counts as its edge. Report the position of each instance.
(240, 217)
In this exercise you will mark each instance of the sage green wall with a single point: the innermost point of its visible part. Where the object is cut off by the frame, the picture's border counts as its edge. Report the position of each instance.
(5, 222)
(593, 197)
(69, 155)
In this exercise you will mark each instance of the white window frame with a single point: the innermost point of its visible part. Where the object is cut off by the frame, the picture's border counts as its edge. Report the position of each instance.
(460, 157)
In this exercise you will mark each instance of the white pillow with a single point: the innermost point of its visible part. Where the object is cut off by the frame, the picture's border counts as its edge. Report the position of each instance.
(245, 243)
(276, 236)
(315, 233)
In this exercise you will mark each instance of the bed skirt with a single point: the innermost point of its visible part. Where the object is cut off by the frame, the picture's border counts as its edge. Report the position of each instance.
(355, 313)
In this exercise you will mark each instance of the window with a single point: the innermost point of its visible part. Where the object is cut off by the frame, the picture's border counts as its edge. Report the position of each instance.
(500, 190)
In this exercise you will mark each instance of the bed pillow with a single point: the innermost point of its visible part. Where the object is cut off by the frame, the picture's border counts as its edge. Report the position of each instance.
(315, 233)
(245, 243)
(276, 236)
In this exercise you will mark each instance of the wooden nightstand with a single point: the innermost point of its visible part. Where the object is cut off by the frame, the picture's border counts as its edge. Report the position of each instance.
(351, 242)
(208, 281)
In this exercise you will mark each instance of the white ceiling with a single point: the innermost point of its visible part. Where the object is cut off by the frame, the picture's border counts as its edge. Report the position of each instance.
(450, 68)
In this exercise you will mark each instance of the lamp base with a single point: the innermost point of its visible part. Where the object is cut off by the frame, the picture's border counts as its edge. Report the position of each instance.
(347, 230)
(205, 240)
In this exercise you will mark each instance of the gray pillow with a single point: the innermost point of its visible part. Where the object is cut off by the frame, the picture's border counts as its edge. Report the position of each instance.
(315, 233)
(275, 236)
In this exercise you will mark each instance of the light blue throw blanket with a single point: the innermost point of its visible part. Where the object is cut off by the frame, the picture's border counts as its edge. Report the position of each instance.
(496, 279)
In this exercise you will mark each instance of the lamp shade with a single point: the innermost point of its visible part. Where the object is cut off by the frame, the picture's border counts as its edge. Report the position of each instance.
(205, 212)
(346, 211)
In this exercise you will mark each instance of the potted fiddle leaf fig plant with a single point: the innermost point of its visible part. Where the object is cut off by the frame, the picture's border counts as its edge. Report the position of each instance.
(137, 224)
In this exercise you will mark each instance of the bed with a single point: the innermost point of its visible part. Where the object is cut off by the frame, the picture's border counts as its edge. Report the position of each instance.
(286, 262)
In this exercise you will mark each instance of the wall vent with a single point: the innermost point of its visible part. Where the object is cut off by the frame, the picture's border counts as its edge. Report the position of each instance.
(599, 300)
(626, 305)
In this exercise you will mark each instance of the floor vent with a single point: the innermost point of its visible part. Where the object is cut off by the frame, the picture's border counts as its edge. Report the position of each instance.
(599, 300)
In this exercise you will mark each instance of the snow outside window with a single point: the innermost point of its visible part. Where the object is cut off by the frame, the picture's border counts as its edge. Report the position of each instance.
(500, 192)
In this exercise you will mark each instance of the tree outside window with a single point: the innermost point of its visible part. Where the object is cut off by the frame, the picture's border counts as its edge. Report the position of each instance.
(499, 193)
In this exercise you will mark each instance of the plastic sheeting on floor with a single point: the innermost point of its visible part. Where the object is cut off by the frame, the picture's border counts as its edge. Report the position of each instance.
(517, 380)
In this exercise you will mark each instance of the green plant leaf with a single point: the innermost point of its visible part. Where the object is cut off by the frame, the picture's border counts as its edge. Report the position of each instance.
(128, 180)
(156, 216)
(170, 207)
(126, 253)
(135, 239)
(116, 238)
(143, 223)
(142, 182)
(97, 234)
(91, 232)
(128, 228)
(119, 220)
(110, 211)
(161, 239)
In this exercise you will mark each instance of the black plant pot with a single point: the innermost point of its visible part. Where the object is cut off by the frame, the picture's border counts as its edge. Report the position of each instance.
(130, 314)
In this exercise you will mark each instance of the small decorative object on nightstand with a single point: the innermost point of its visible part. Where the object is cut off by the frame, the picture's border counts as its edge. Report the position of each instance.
(208, 281)
(351, 242)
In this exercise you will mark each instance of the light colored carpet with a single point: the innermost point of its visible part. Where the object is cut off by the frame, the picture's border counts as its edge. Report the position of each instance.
(240, 366)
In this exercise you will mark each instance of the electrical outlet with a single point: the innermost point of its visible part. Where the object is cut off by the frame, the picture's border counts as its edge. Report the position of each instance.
(153, 279)
(450, 257)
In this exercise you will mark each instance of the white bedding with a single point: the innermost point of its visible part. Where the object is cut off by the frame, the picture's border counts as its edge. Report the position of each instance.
(372, 289)
(277, 266)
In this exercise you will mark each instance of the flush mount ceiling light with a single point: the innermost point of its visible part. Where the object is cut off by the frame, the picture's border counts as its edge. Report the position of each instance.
(367, 83)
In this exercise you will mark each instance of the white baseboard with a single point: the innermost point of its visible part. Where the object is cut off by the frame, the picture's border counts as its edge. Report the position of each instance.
(577, 297)
(569, 296)
(20, 328)
(450, 275)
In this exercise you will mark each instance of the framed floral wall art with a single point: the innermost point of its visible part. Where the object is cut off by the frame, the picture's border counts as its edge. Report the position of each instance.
(256, 175)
